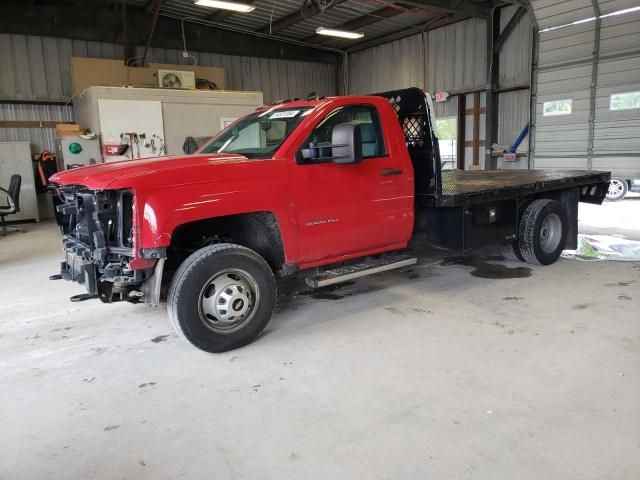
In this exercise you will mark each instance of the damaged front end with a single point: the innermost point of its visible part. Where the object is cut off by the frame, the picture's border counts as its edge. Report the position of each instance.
(99, 246)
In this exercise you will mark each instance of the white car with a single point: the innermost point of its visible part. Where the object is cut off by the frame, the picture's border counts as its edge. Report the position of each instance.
(619, 187)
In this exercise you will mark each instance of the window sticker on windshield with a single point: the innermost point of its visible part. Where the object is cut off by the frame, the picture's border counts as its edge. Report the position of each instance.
(285, 114)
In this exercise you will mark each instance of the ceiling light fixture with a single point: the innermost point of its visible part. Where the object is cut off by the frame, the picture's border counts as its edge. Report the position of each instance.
(227, 5)
(333, 32)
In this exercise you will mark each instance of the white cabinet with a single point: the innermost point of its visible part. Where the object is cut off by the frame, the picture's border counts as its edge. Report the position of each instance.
(15, 157)
(163, 115)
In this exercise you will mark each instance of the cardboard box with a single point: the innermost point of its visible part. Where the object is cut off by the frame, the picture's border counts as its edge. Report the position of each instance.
(68, 129)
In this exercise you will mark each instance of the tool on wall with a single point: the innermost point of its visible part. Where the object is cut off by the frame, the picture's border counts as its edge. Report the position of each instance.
(157, 145)
(136, 145)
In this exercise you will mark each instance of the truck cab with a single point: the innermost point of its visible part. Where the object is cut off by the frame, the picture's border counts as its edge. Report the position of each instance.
(293, 186)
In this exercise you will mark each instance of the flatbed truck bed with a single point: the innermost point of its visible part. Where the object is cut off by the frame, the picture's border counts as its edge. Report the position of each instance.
(465, 187)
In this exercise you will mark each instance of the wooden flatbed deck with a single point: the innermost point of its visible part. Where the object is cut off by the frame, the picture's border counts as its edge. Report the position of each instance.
(464, 187)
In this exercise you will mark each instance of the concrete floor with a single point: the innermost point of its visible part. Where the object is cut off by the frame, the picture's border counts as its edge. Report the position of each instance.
(430, 373)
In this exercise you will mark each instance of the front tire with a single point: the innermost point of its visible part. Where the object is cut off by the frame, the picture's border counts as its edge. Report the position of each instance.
(221, 297)
(618, 188)
(543, 232)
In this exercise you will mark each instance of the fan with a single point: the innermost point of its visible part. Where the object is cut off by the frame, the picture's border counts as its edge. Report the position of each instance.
(171, 80)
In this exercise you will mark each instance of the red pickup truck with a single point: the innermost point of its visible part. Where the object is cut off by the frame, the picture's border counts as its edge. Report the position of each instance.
(337, 185)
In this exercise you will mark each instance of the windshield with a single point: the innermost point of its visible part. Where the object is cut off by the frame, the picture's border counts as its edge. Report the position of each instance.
(258, 135)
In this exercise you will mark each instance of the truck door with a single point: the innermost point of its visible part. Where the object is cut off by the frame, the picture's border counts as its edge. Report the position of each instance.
(353, 208)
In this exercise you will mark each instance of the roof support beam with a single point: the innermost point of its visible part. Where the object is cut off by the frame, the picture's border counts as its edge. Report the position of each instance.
(150, 6)
(295, 17)
(408, 31)
(219, 16)
(79, 23)
(508, 29)
(462, 7)
(154, 21)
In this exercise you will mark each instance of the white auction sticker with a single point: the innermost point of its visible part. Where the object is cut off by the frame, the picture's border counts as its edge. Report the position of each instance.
(284, 114)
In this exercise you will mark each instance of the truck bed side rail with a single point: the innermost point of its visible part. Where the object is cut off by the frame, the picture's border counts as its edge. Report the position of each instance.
(413, 109)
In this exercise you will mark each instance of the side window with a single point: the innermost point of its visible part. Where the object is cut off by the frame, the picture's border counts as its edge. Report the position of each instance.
(624, 101)
(364, 115)
(555, 108)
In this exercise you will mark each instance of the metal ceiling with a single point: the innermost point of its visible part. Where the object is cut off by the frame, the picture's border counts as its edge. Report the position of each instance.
(297, 20)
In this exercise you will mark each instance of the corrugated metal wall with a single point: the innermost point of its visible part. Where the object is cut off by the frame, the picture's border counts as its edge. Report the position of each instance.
(616, 140)
(453, 59)
(587, 64)
(515, 56)
(457, 57)
(37, 68)
(515, 71)
(450, 58)
(513, 116)
(40, 138)
(564, 63)
(390, 66)
(551, 13)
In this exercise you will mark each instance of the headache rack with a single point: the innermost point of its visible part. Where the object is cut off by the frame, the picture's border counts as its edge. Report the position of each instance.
(414, 111)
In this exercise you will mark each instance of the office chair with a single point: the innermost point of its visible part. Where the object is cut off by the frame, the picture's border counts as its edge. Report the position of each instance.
(13, 204)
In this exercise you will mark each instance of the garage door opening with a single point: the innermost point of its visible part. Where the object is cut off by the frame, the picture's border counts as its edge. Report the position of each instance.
(447, 132)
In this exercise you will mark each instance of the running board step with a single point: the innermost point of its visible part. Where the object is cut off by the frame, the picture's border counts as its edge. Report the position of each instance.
(343, 274)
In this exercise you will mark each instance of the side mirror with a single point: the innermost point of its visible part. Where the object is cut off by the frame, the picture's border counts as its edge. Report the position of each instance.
(311, 153)
(265, 125)
(346, 144)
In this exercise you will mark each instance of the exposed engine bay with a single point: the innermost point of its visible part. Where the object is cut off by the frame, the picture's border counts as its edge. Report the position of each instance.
(98, 240)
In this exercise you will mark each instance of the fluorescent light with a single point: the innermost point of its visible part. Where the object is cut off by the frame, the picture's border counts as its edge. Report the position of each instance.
(332, 32)
(227, 5)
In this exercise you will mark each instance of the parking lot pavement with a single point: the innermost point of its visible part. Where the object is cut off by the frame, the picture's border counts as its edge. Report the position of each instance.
(612, 218)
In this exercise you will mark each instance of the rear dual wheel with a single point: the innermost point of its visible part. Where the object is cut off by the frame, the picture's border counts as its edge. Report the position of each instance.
(511, 251)
(542, 234)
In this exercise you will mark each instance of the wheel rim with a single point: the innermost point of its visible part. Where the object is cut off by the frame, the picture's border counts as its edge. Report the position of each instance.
(228, 301)
(615, 188)
(550, 233)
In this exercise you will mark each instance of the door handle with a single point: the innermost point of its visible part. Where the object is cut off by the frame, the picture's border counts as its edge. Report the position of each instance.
(391, 171)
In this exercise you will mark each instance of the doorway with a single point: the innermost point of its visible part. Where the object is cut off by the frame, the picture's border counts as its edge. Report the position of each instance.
(447, 132)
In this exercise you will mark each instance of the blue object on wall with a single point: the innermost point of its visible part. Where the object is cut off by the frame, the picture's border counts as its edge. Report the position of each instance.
(520, 138)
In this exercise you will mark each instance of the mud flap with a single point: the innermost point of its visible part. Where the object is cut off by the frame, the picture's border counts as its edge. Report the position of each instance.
(151, 287)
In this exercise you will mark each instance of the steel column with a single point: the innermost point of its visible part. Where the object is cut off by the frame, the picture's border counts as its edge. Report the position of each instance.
(533, 98)
(493, 77)
(594, 83)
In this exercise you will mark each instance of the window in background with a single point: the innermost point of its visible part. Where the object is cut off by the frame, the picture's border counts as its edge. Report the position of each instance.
(557, 107)
(624, 101)
(447, 133)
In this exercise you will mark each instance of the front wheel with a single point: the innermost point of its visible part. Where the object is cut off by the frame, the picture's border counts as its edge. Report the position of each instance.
(618, 188)
(543, 232)
(221, 297)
